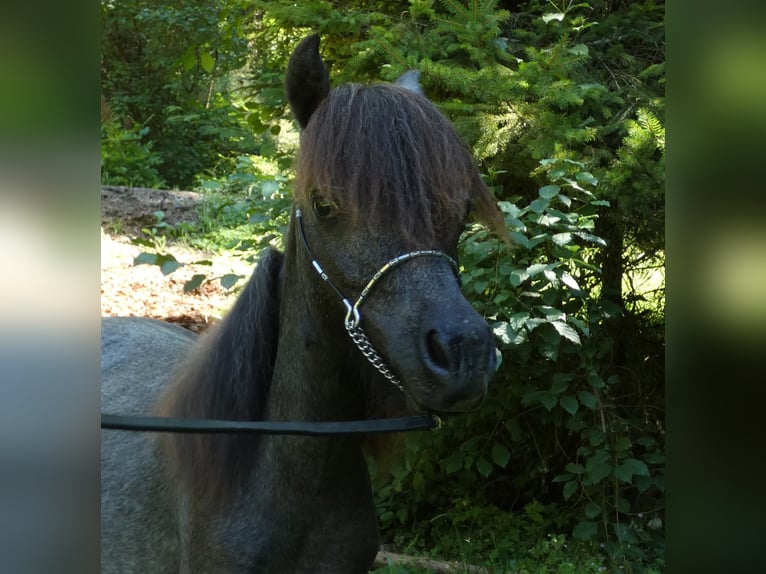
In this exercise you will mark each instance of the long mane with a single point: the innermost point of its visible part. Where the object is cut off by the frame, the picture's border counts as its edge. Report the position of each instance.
(387, 156)
(228, 377)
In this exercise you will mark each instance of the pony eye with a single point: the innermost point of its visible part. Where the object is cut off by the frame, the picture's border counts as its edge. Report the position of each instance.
(323, 208)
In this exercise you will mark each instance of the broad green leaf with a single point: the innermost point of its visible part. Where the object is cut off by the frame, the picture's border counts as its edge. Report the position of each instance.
(549, 400)
(569, 404)
(558, 16)
(206, 61)
(549, 191)
(521, 239)
(509, 208)
(189, 60)
(622, 443)
(625, 470)
(569, 489)
(596, 381)
(562, 477)
(642, 483)
(585, 530)
(536, 268)
(564, 238)
(587, 177)
(483, 466)
(501, 455)
(269, 188)
(588, 399)
(566, 331)
(553, 314)
(590, 238)
(418, 482)
(579, 50)
(194, 283)
(518, 320)
(454, 463)
(597, 438)
(597, 468)
(569, 281)
(560, 383)
(592, 510)
(229, 280)
(574, 468)
(145, 259)
(539, 205)
(504, 332)
(169, 266)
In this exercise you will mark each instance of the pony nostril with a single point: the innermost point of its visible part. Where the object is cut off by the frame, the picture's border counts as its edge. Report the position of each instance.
(438, 350)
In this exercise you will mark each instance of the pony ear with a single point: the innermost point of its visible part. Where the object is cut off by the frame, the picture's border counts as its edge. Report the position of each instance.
(307, 82)
(410, 80)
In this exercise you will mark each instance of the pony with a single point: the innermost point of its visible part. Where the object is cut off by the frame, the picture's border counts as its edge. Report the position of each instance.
(361, 317)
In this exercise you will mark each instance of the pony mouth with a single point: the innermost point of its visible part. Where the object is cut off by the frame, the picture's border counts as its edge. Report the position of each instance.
(450, 407)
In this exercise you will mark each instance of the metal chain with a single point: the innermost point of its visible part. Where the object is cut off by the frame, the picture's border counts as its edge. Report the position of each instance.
(363, 343)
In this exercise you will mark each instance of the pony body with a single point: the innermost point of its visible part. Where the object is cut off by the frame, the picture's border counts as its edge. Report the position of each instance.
(380, 173)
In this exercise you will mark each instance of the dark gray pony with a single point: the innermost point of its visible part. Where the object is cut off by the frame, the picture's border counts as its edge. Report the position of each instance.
(383, 191)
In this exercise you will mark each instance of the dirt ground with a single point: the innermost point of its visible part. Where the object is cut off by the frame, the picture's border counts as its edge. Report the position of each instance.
(143, 291)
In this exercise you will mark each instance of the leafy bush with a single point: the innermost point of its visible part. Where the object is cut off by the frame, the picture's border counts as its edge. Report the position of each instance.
(127, 158)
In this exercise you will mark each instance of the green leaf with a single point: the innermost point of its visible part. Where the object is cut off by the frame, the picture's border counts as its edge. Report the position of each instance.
(597, 468)
(504, 332)
(509, 208)
(622, 443)
(501, 455)
(596, 381)
(585, 530)
(229, 280)
(630, 467)
(539, 205)
(587, 177)
(483, 466)
(566, 331)
(566, 278)
(558, 16)
(562, 238)
(588, 399)
(592, 510)
(206, 61)
(549, 401)
(579, 50)
(570, 488)
(454, 463)
(561, 382)
(169, 266)
(569, 404)
(574, 468)
(145, 259)
(418, 482)
(642, 483)
(194, 283)
(549, 191)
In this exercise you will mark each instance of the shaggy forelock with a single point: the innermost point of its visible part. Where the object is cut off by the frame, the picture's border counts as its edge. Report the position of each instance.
(386, 155)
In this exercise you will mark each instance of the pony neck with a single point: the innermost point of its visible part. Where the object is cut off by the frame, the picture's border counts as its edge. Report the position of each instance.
(313, 378)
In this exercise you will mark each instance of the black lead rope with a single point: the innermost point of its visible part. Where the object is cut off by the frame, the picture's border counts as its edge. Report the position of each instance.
(209, 426)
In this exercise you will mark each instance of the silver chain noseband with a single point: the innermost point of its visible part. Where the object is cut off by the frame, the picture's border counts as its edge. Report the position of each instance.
(353, 317)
